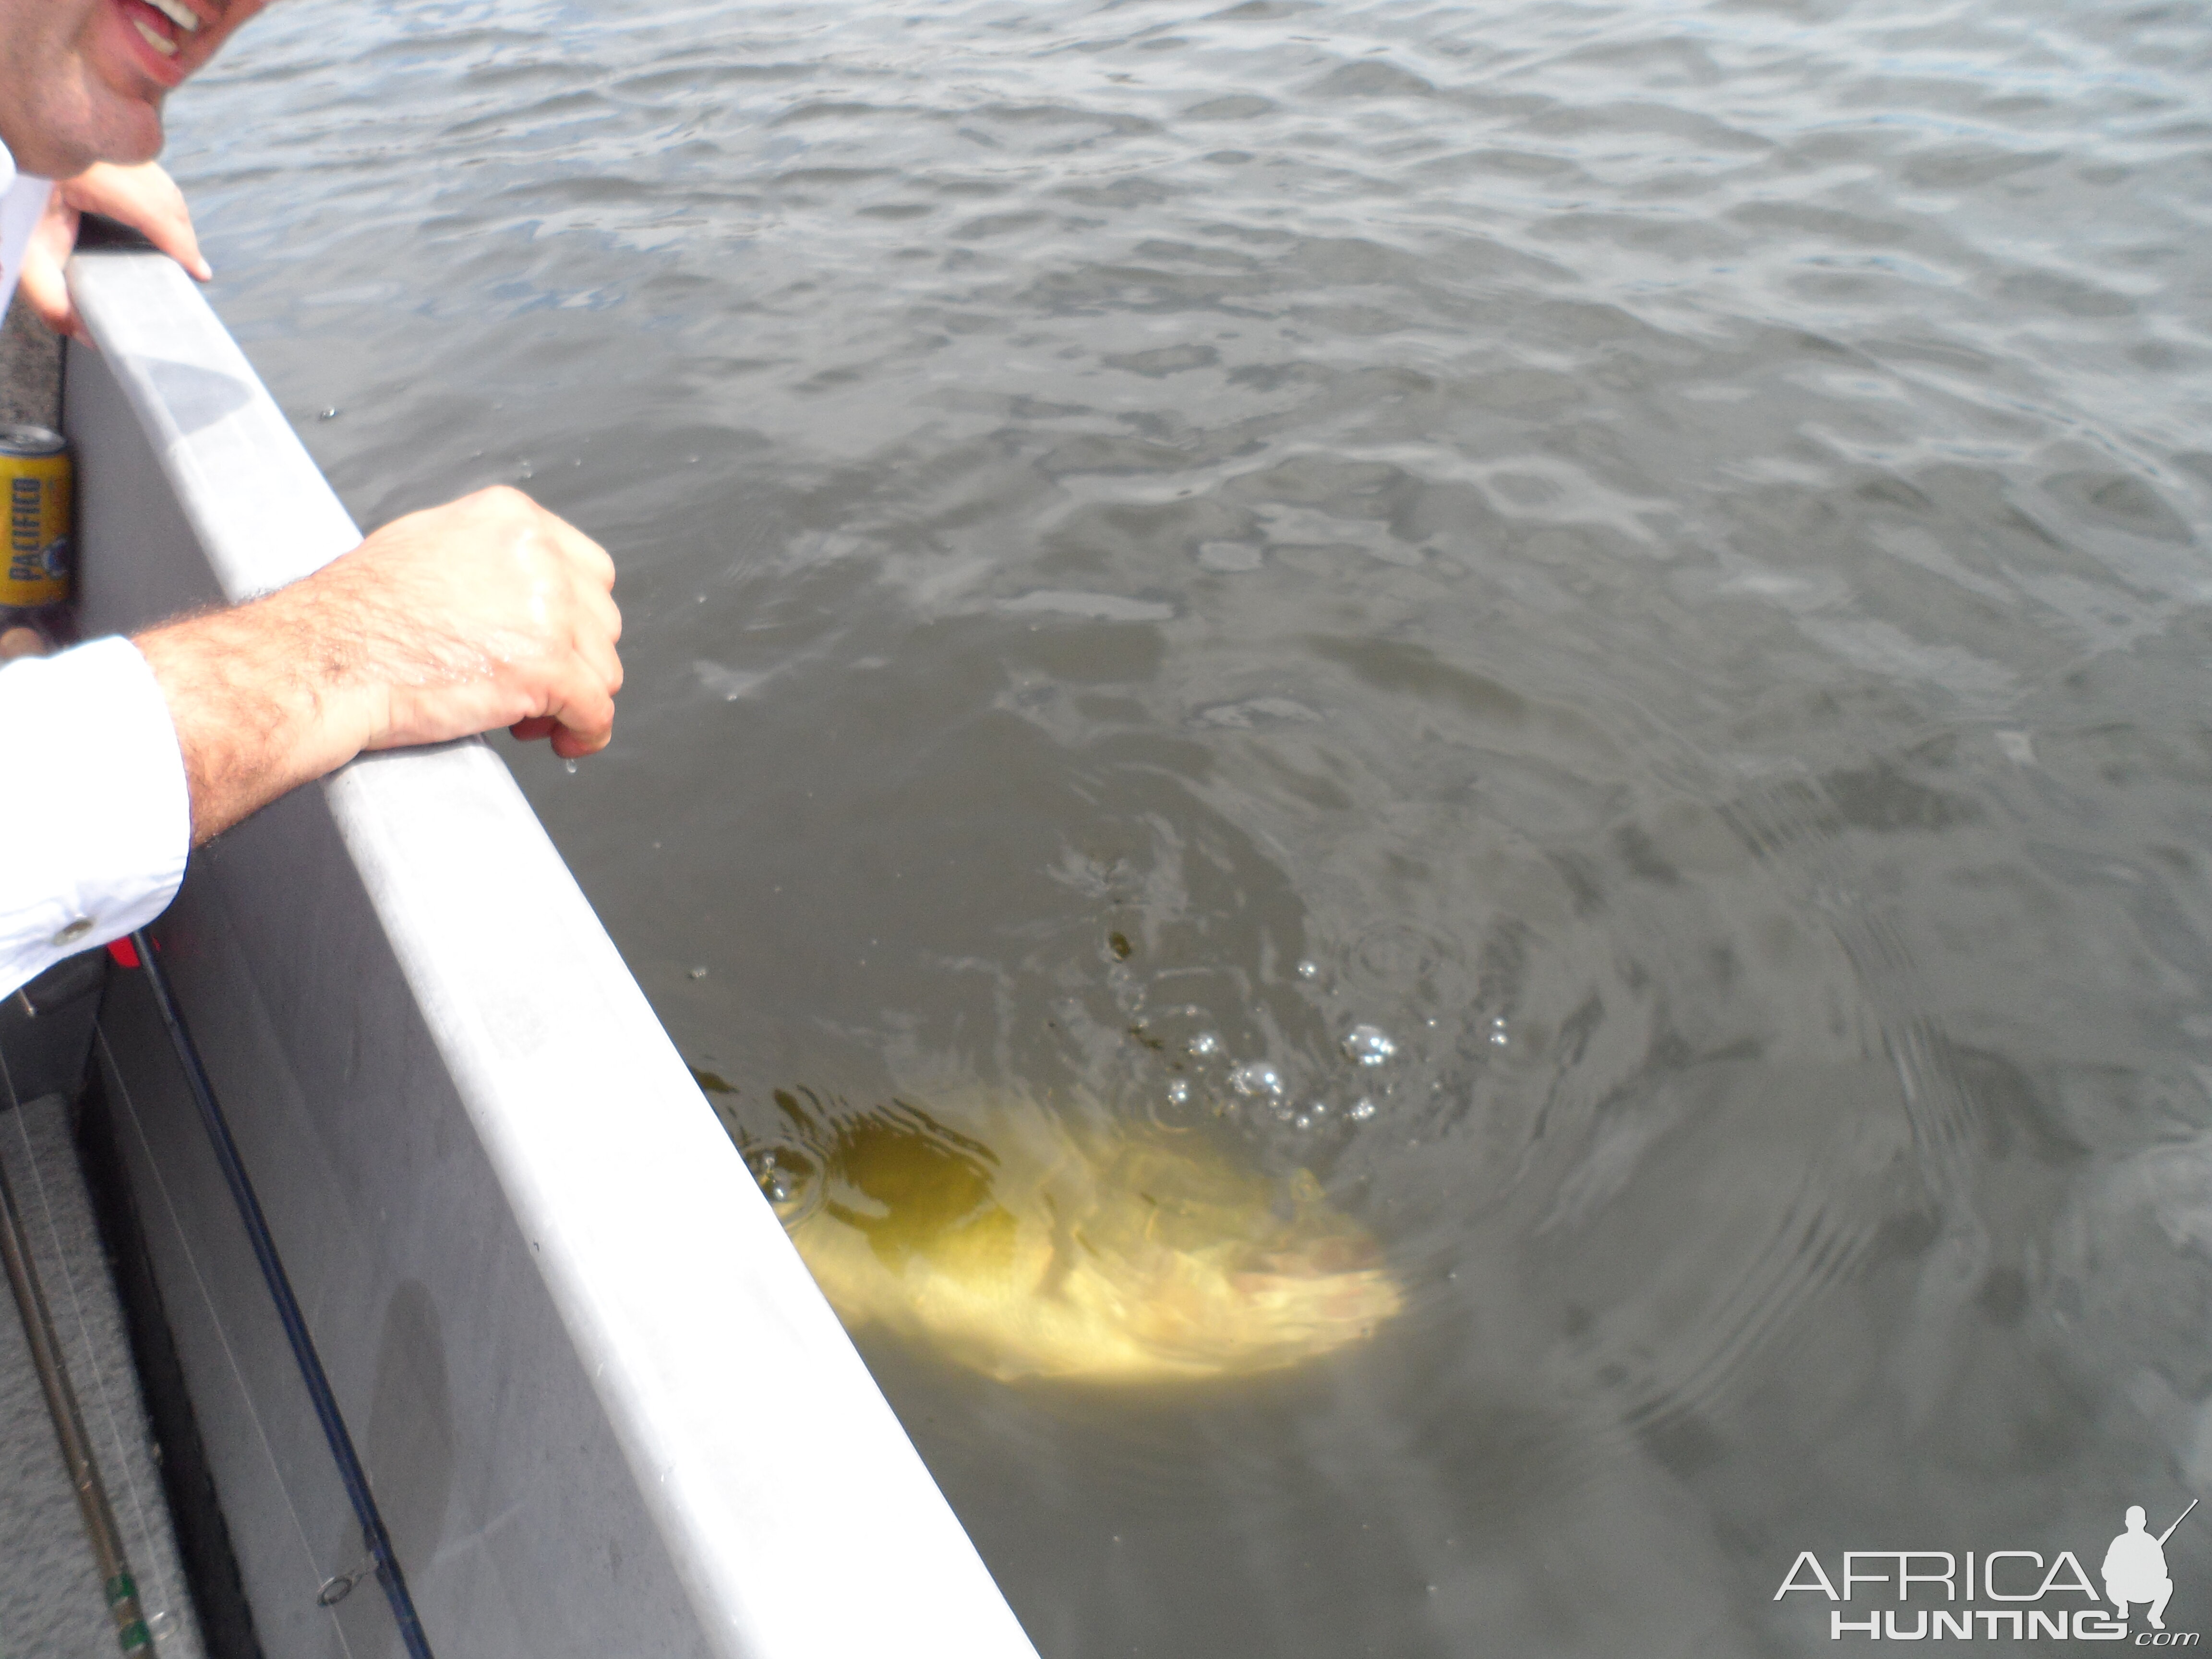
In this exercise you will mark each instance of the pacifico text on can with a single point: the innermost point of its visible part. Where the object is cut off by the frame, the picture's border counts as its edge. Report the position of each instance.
(36, 475)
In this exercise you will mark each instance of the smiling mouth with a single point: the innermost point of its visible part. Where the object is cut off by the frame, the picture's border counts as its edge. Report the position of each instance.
(175, 12)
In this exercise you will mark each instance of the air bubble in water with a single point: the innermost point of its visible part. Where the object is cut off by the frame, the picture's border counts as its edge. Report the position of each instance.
(1369, 1045)
(1257, 1078)
(1205, 1043)
(1497, 1037)
(1178, 1093)
(1309, 969)
(1362, 1111)
(787, 1178)
(698, 973)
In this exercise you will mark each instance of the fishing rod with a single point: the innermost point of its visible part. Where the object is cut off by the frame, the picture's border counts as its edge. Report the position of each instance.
(288, 1308)
(2178, 1520)
(131, 1634)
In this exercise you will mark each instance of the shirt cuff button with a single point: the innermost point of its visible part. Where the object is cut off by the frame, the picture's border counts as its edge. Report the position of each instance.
(70, 934)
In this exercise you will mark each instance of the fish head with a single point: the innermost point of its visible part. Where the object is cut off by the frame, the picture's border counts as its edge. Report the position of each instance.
(1027, 1244)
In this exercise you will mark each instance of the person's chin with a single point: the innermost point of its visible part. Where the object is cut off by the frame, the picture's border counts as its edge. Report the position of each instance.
(72, 138)
(114, 112)
(100, 124)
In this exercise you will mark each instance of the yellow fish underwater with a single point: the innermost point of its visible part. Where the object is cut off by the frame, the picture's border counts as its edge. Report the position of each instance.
(1028, 1247)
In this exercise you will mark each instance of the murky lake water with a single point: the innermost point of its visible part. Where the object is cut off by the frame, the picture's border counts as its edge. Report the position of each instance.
(1653, 552)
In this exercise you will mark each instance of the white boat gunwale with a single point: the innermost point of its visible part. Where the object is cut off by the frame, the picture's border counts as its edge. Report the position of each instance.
(583, 1363)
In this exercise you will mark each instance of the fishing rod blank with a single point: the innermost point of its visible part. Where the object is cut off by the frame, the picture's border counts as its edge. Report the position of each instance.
(288, 1308)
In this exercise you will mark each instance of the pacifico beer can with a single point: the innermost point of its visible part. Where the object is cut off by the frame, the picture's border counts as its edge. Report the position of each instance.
(38, 482)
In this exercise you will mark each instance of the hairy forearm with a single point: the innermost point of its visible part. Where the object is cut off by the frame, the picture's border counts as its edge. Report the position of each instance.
(263, 698)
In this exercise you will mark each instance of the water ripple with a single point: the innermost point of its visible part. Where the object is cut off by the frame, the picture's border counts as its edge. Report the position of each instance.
(1585, 623)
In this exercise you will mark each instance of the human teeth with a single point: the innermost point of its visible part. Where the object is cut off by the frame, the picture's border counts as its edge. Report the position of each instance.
(160, 42)
(178, 13)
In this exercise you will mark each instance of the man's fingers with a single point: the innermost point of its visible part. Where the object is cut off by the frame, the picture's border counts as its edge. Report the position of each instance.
(43, 287)
(587, 724)
(576, 745)
(581, 720)
(144, 198)
(148, 200)
(45, 291)
(168, 226)
(603, 608)
(582, 717)
(598, 654)
(175, 237)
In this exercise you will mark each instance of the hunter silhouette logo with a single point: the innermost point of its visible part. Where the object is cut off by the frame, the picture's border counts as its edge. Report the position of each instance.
(2135, 1567)
(2030, 1596)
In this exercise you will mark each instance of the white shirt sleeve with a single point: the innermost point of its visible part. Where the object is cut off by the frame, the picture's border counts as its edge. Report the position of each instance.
(95, 816)
(22, 203)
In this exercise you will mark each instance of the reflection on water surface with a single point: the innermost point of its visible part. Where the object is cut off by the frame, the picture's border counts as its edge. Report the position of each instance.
(1584, 621)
